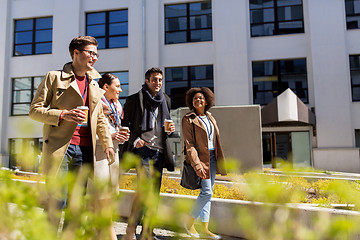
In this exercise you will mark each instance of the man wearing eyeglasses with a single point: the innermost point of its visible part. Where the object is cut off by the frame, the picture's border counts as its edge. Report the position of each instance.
(69, 134)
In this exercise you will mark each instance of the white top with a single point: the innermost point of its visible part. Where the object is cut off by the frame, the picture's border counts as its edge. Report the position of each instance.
(210, 130)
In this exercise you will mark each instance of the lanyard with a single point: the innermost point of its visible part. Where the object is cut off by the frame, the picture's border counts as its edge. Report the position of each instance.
(86, 83)
(209, 132)
(114, 111)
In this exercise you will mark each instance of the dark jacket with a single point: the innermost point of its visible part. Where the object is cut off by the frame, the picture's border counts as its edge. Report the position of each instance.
(133, 114)
(197, 151)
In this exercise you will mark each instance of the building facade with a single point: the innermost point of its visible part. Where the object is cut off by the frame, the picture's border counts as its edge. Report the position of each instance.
(247, 51)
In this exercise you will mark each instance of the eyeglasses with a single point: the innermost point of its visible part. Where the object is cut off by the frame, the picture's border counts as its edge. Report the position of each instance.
(91, 53)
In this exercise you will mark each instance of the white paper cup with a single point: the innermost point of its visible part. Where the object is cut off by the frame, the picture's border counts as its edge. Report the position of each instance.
(167, 124)
(85, 109)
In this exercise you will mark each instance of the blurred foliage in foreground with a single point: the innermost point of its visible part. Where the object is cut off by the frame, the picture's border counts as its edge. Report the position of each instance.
(267, 215)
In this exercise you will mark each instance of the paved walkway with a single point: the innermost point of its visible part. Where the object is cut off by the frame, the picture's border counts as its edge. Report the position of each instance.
(162, 234)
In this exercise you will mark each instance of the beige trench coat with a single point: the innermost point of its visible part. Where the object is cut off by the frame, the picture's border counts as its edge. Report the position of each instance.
(59, 91)
(197, 152)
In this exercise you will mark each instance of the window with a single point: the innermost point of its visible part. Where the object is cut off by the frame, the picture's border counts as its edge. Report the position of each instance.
(33, 36)
(355, 77)
(188, 22)
(276, 17)
(357, 138)
(23, 91)
(110, 28)
(352, 8)
(25, 153)
(271, 78)
(180, 79)
(124, 83)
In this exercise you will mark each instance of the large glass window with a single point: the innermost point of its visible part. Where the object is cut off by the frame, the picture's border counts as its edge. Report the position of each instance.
(25, 153)
(110, 28)
(276, 17)
(23, 91)
(188, 22)
(352, 8)
(271, 78)
(180, 79)
(33, 36)
(355, 77)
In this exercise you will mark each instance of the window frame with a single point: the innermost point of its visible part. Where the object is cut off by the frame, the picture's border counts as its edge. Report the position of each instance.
(33, 38)
(188, 80)
(276, 22)
(348, 15)
(279, 75)
(188, 29)
(32, 93)
(107, 23)
(354, 70)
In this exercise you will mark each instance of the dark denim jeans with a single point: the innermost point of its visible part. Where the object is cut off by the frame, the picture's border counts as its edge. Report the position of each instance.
(75, 158)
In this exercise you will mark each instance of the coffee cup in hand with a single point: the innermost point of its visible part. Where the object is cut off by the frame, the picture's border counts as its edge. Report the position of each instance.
(167, 125)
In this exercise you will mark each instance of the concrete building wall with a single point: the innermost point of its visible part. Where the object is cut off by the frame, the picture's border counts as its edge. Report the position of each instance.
(326, 45)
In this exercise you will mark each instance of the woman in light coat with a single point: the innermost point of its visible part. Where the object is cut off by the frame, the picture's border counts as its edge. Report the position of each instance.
(204, 153)
(113, 112)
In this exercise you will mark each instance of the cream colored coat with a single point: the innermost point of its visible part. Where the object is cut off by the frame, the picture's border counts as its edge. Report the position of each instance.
(59, 91)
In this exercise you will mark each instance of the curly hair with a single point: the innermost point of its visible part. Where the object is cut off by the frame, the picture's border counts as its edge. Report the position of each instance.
(80, 42)
(208, 94)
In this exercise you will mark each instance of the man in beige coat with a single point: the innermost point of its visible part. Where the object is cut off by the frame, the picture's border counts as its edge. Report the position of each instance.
(68, 144)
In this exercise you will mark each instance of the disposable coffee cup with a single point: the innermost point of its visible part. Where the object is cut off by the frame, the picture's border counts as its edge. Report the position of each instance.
(167, 125)
(85, 109)
(124, 129)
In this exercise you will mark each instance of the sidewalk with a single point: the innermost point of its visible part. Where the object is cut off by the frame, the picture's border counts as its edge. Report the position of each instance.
(120, 228)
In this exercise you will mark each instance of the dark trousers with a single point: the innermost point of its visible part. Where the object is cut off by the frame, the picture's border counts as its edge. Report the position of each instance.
(149, 182)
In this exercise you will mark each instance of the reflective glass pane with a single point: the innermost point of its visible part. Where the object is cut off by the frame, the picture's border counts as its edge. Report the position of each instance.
(356, 93)
(262, 30)
(353, 22)
(95, 18)
(354, 62)
(355, 78)
(176, 74)
(200, 8)
(101, 43)
(176, 91)
(267, 68)
(21, 109)
(22, 84)
(118, 16)
(264, 98)
(44, 23)
(175, 37)
(123, 77)
(41, 48)
(302, 94)
(201, 72)
(116, 42)
(175, 24)
(203, 83)
(22, 96)
(202, 21)
(256, 4)
(262, 15)
(23, 37)
(125, 90)
(268, 83)
(118, 28)
(201, 35)
(96, 30)
(43, 36)
(290, 13)
(349, 7)
(293, 66)
(24, 25)
(291, 27)
(37, 81)
(23, 50)
(288, 2)
(177, 10)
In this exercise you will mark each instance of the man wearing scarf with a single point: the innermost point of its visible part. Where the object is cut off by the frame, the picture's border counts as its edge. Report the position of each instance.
(144, 114)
